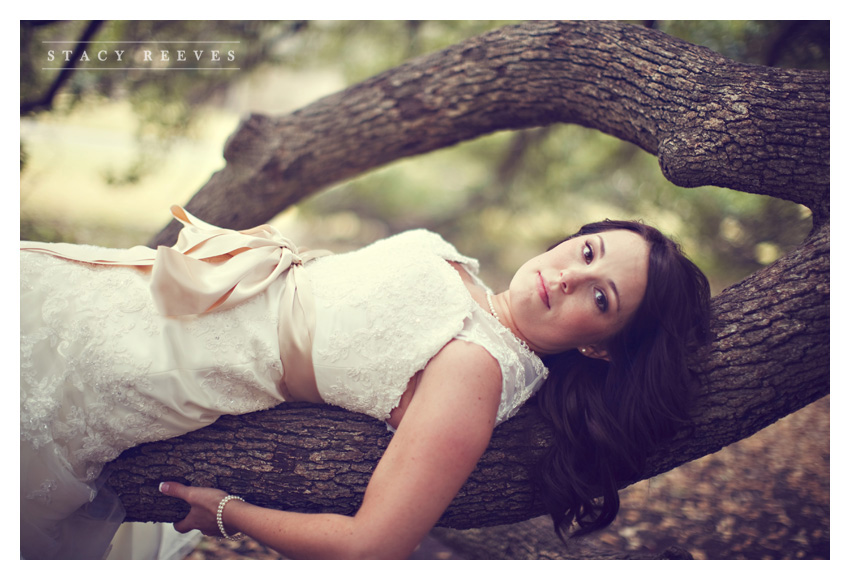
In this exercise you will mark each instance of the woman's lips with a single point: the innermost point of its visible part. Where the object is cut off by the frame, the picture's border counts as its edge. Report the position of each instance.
(541, 289)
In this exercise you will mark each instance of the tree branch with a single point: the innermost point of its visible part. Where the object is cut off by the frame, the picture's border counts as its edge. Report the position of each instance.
(710, 120)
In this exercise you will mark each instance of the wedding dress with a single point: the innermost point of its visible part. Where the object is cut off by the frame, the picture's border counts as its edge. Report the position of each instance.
(112, 356)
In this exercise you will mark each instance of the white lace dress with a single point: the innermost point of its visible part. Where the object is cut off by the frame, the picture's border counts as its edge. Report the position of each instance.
(102, 370)
(383, 311)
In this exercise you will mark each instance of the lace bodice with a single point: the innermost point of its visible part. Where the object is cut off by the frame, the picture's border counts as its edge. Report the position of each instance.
(384, 311)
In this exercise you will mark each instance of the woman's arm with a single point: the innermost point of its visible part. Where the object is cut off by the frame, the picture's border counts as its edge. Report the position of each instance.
(445, 429)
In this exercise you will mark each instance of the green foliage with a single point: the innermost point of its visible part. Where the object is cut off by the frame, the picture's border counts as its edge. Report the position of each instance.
(165, 102)
(364, 48)
(787, 44)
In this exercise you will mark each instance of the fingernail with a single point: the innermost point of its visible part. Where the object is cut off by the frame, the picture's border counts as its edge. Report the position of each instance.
(163, 487)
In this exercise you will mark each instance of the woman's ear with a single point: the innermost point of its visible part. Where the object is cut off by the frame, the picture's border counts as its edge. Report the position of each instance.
(593, 351)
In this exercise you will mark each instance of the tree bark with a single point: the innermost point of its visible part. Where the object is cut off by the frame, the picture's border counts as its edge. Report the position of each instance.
(709, 120)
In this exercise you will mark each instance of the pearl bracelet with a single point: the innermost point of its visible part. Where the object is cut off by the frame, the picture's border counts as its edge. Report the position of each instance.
(219, 519)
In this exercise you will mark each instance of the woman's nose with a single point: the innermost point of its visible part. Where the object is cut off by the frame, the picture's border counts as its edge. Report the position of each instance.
(571, 278)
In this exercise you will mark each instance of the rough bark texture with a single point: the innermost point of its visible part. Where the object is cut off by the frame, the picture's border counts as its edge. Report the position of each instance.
(708, 119)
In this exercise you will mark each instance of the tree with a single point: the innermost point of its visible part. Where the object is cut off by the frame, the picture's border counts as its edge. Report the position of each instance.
(708, 119)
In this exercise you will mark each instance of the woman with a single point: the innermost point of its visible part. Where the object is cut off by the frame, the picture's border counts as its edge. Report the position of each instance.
(402, 330)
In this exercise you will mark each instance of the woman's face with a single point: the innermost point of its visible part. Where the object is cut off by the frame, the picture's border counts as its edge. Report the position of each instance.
(581, 292)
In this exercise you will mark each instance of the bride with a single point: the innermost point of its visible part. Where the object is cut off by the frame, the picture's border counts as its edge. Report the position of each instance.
(121, 347)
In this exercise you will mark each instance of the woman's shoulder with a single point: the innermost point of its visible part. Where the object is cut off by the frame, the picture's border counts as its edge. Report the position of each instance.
(460, 361)
(459, 370)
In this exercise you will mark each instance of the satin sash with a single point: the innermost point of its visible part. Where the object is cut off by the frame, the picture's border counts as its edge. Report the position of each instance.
(212, 268)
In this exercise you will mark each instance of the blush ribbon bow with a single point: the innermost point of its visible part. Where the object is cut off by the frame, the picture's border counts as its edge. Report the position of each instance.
(212, 268)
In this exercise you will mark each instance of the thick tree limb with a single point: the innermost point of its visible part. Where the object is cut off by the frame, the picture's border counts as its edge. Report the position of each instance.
(709, 120)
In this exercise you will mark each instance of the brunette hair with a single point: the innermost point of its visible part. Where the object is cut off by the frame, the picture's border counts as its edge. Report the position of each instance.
(608, 415)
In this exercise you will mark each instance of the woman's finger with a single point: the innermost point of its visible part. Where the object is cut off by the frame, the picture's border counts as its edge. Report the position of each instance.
(173, 489)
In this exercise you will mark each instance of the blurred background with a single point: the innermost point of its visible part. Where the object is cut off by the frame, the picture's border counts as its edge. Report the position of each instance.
(105, 152)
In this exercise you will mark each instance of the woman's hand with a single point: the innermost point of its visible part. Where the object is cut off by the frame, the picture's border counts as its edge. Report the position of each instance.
(204, 506)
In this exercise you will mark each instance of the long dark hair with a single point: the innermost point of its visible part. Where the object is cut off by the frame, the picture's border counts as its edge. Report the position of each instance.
(608, 415)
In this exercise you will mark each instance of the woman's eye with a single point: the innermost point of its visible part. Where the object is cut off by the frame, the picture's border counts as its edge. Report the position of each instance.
(587, 251)
(601, 300)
